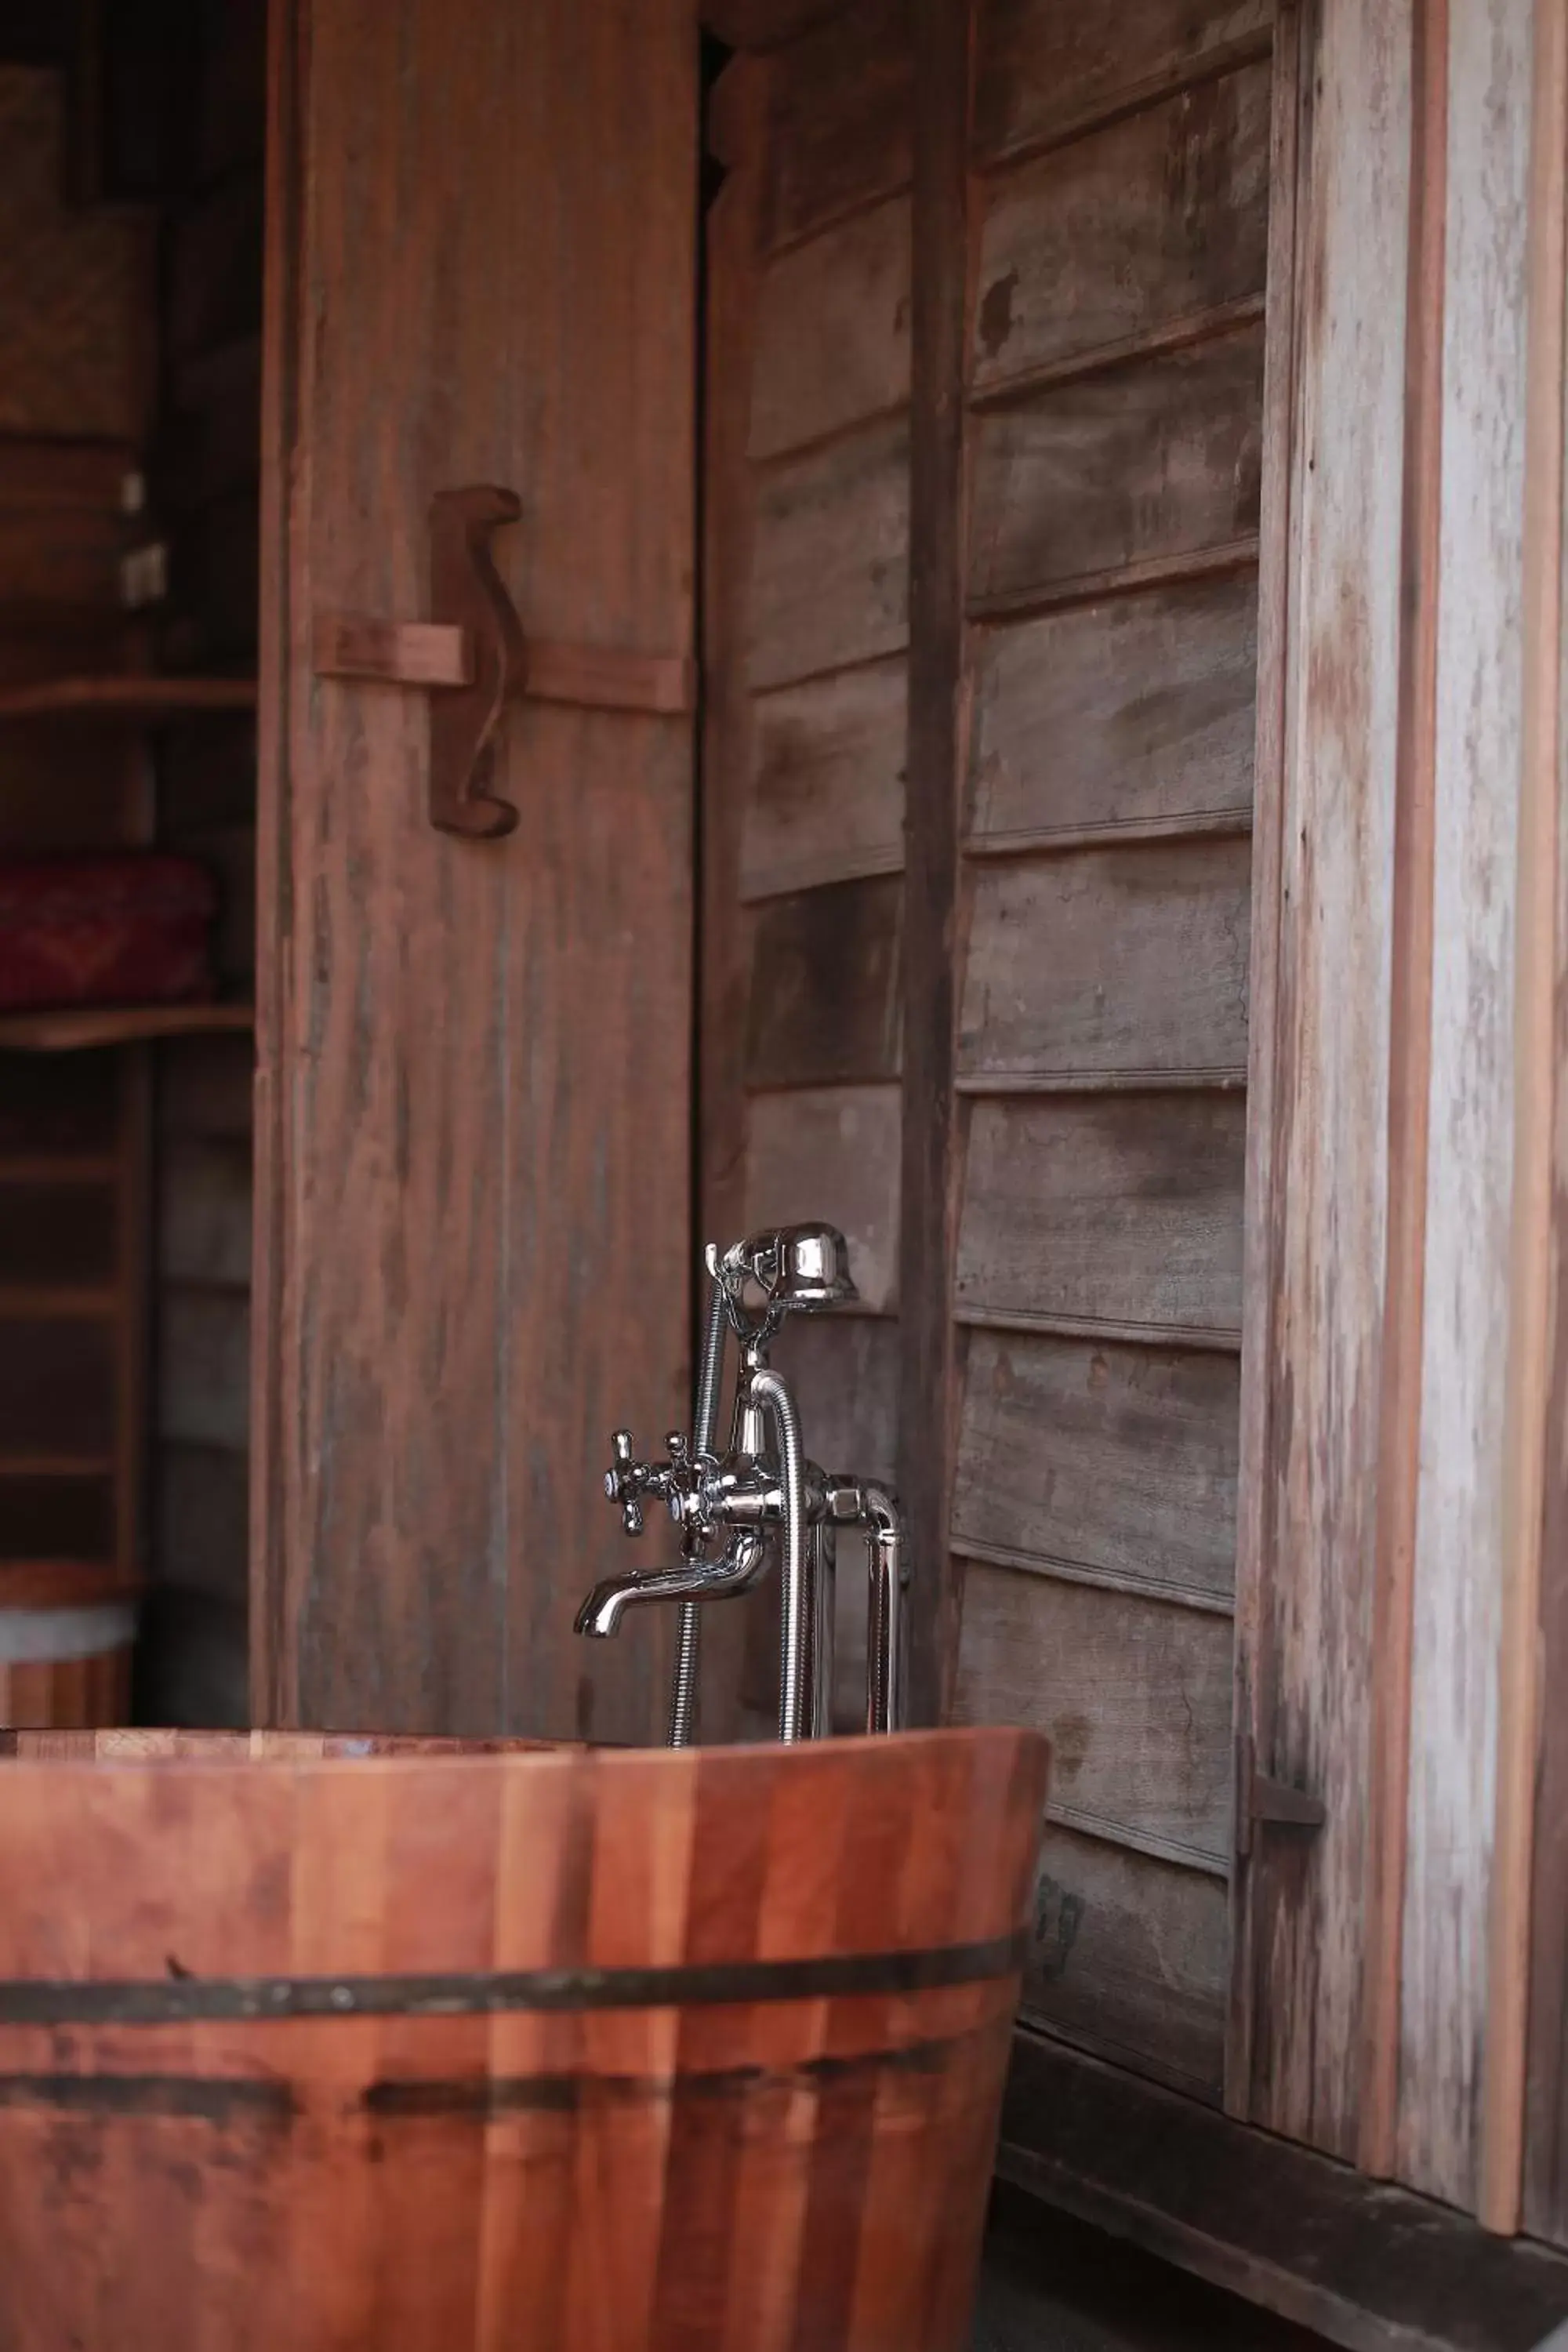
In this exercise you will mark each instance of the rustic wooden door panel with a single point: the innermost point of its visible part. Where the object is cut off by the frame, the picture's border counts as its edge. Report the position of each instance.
(472, 1221)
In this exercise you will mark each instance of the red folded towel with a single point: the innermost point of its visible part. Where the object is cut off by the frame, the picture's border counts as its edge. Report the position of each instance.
(132, 930)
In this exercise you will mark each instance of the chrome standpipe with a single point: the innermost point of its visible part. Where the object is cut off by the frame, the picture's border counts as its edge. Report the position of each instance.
(763, 1499)
(684, 1696)
(797, 1695)
(887, 1575)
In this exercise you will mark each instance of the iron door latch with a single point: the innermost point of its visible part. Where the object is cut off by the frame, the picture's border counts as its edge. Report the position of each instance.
(473, 657)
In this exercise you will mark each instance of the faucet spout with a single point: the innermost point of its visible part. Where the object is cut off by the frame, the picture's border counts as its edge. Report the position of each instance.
(738, 1567)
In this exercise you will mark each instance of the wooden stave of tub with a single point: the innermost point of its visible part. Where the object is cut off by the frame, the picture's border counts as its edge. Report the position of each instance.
(68, 1630)
(728, 2162)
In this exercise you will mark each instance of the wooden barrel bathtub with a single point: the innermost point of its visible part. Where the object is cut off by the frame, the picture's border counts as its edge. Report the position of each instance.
(325, 2045)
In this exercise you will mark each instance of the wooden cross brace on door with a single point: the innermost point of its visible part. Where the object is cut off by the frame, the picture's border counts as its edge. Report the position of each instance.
(473, 658)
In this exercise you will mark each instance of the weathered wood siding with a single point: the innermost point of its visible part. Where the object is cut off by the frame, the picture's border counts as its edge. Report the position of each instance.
(1228, 1271)
(1457, 1601)
(808, 471)
(1398, 1998)
(1100, 609)
(1319, 1174)
(1121, 200)
(1526, 2088)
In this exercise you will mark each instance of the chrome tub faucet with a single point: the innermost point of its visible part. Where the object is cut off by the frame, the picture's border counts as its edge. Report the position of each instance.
(762, 1501)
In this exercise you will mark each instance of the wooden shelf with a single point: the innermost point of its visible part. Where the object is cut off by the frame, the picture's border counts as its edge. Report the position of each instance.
(56, 1466)
(80, 1026)
(129, 697)
(58, 1303)
(64, 1584)
(57, 1168)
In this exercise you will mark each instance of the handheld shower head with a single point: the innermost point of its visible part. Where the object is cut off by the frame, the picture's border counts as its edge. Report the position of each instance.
(799, 1269)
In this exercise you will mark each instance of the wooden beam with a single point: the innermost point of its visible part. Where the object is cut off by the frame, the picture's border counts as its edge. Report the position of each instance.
(1465, 1464)
(936, 761)
(74, 1029)
(1546, 2173)
(1318, 1108)
(1537, 1084)
(129, 696)
(1260, 1243)
(1409, 1083)
(1371, 2267)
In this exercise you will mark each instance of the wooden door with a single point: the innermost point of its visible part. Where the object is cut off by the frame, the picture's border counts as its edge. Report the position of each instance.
(473, 1087)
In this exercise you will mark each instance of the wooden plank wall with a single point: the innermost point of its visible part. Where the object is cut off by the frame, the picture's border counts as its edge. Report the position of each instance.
(1110, 366)
(206, 473)
(1115, 398)
(808, 495)
(1250, 1206)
